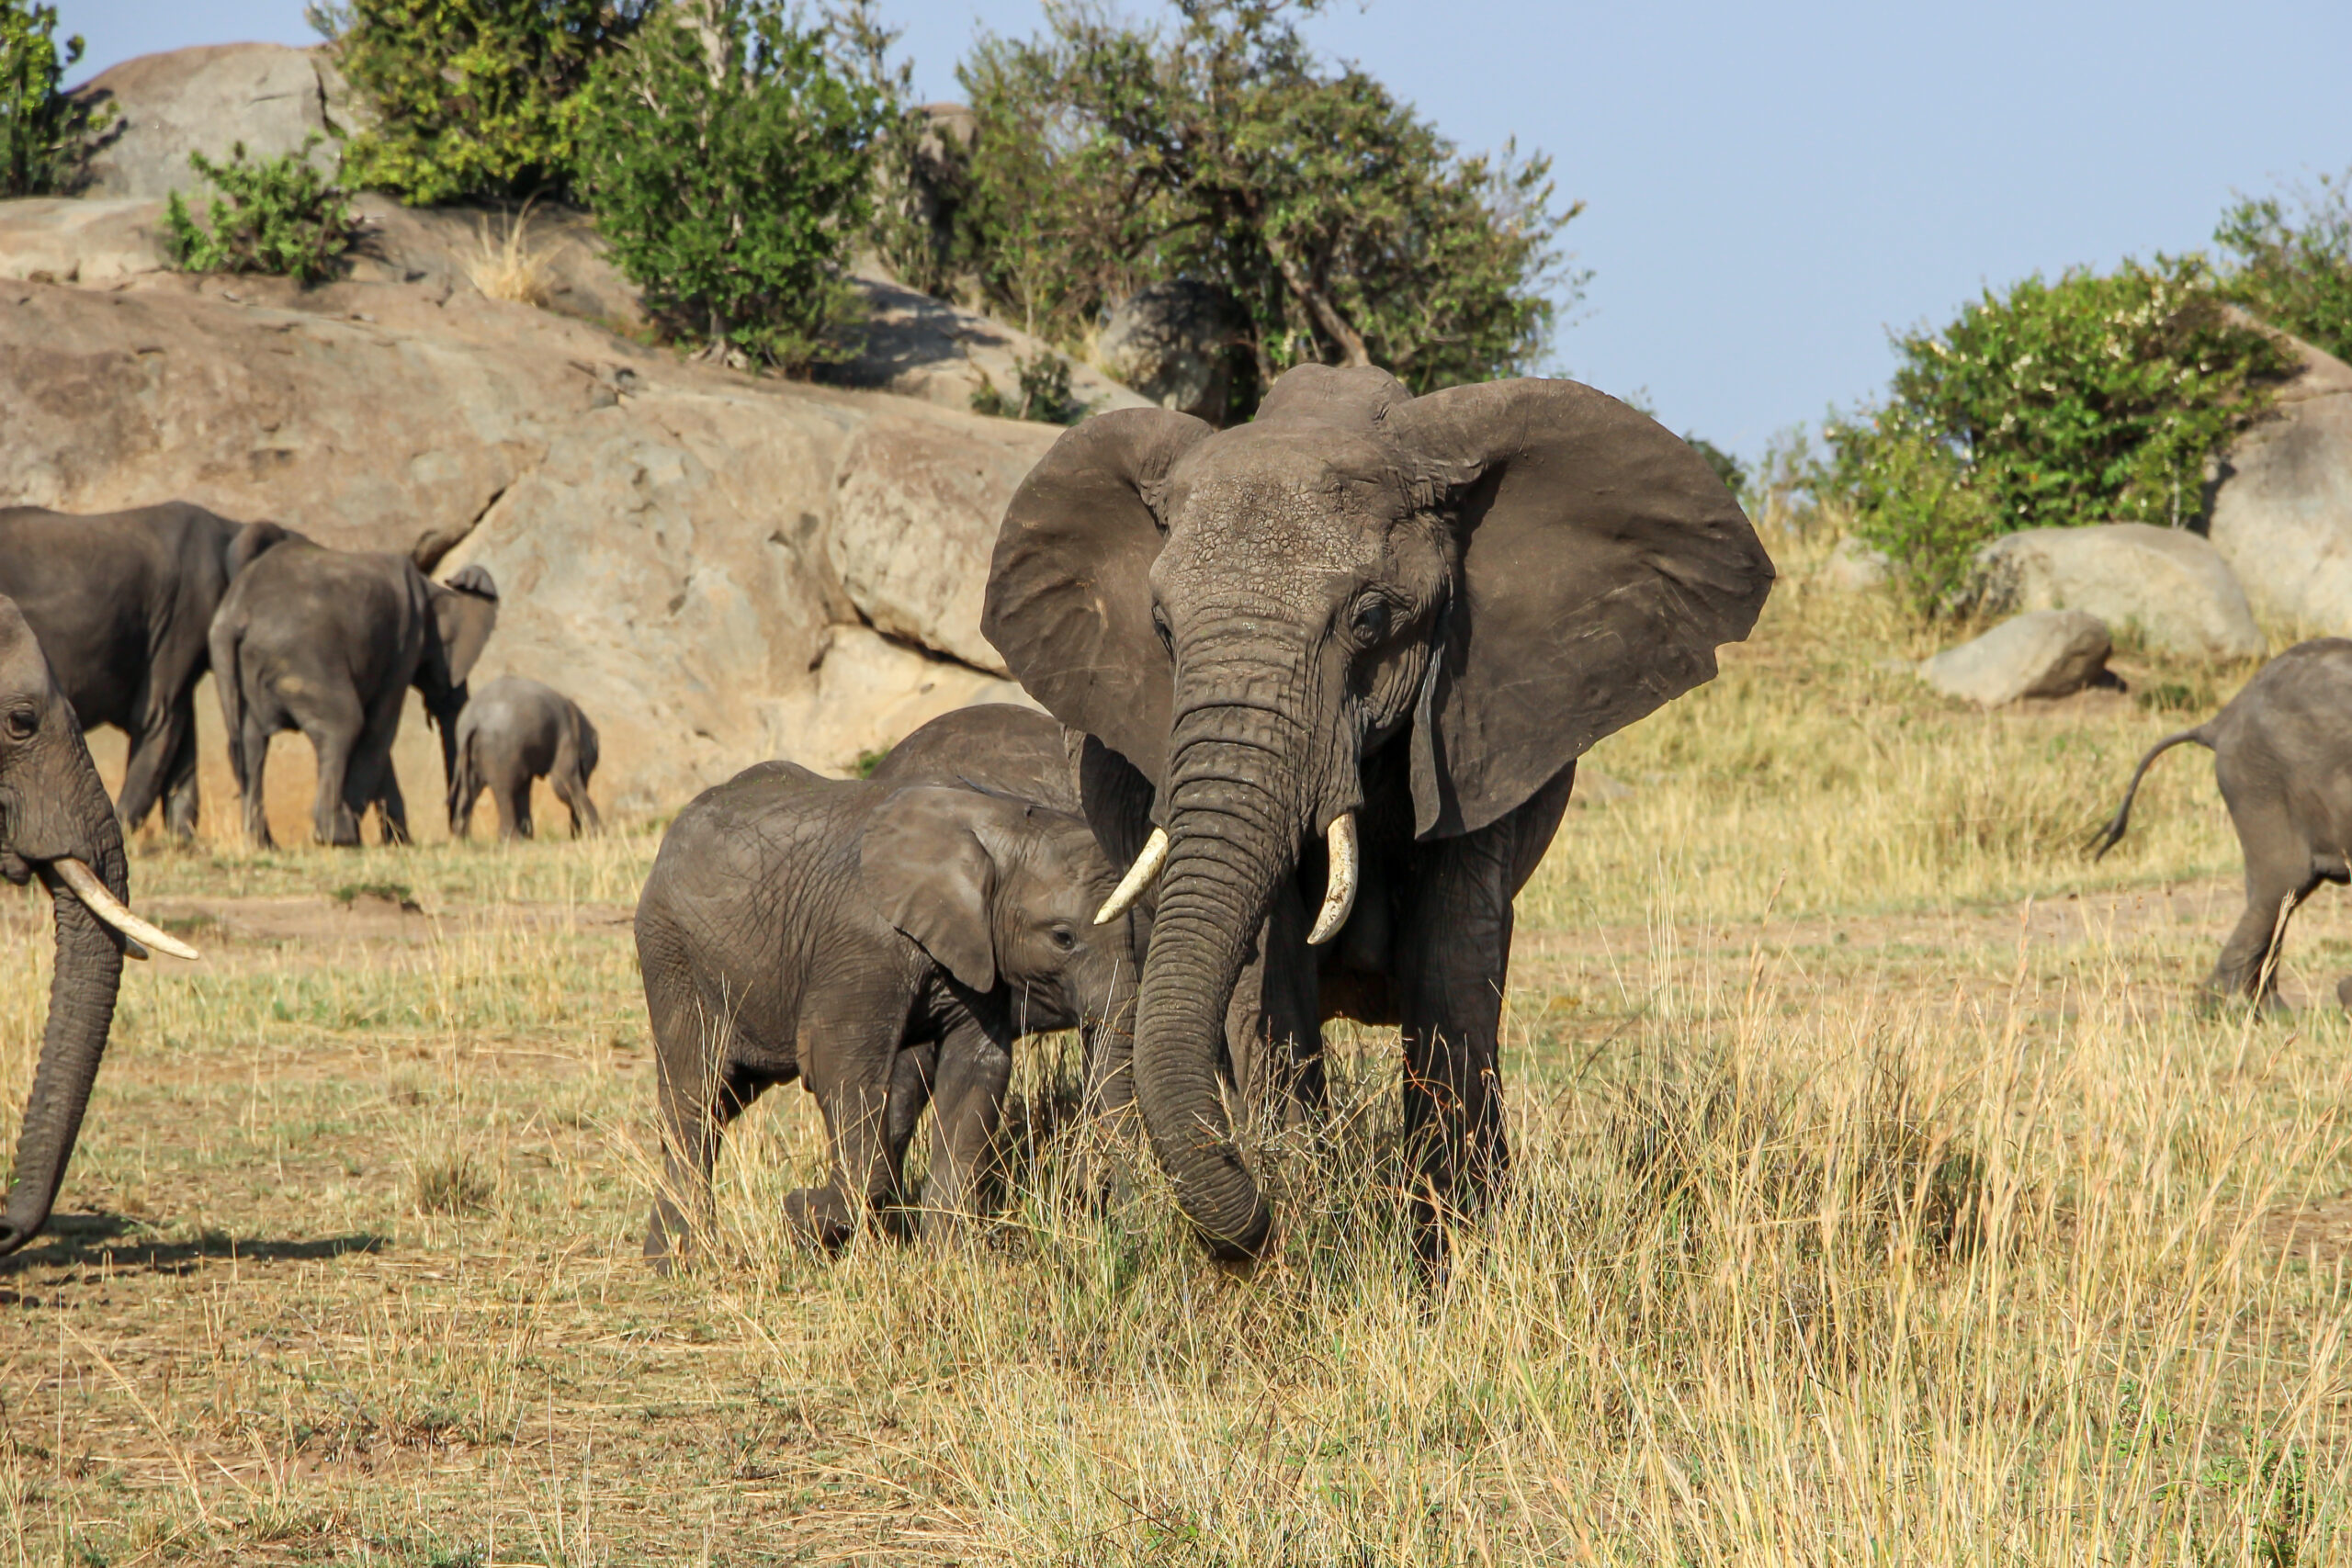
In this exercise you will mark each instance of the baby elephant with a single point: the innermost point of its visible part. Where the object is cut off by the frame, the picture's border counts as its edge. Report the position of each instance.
(2282, 750)
(885, 944)
(513, 731)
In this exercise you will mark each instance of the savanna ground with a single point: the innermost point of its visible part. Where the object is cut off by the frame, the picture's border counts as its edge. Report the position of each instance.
(1882, 1195)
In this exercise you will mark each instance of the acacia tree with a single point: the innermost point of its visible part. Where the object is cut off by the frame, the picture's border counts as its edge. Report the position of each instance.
(1344, 228)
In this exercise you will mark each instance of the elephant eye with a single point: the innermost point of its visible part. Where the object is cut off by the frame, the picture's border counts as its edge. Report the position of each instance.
(1064, 938)
(1370, 619)
(23, 723)
(1160, 624)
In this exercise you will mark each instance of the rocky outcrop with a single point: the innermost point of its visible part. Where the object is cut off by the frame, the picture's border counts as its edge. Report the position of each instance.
(2043, 653)
(1853, 567)
(1173, 343)
(925, 348)
(2282, 509)
(206, 100)
(661, 532)
(2171, 586)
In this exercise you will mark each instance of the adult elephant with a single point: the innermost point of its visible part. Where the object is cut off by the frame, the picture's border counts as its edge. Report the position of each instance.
(123, 604)
(1344, 657)
(329, 642)
(57, 824)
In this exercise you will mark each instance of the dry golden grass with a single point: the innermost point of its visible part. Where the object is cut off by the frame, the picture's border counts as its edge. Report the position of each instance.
(1880, 1196)
(507, 267)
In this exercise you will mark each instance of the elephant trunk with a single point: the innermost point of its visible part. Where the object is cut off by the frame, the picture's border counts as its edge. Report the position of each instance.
(1242, 790)
(81, 1012)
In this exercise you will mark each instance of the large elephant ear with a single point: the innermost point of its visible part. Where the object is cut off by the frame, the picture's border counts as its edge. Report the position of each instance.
(931, 875)
(1069, 588)
(465, 612)
(1603, 561)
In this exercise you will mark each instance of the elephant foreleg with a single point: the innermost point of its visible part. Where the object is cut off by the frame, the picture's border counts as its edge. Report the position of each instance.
(181, 804)
(975, 1074)
(1272, 1028)
(848, 1067)
(155, 751)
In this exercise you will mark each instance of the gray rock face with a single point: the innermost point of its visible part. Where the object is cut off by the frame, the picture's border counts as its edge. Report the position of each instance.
(1171, 342)
(1854, 567)
(204, 100)
(2043, 653)
(2282, 512)
(2168, 583)
(921, 347)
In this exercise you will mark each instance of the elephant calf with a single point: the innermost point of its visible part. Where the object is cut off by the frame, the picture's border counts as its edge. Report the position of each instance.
(2282, 750)
(885, 944)
(512, 732)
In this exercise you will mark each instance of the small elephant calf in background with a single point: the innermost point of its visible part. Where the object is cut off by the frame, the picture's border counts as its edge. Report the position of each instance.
(884, 943)
(2282, 752)
(512, 732)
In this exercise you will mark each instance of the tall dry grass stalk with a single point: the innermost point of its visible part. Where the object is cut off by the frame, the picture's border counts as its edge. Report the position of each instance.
(507, 267)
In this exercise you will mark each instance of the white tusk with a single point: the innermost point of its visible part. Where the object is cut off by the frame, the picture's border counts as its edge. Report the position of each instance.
(1139, 876)
(1340, 886)
(139, 934)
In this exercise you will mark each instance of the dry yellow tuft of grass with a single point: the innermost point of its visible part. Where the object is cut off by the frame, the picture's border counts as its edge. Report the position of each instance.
(1881, 1194)
(506, 267)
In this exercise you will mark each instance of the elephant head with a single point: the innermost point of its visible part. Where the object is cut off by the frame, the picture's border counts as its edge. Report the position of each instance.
(56, 823)
(465, 612)
(1493, 576)
(1002, 892)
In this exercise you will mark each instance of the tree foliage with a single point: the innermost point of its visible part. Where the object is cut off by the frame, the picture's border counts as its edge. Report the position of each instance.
(44, 132)
(468, 95)
(273, 215)
(2090, 400)
(729, 160)
(2294, 269)
(1346, 229)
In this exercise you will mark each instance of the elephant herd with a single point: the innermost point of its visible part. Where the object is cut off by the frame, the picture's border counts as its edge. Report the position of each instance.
(1315, 687)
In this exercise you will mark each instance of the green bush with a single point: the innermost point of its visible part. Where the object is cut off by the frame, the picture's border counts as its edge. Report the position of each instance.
(1106, 157)
(2297, 275)
(275, 215)
(469, 97)
(43, 133)
(730, 171)
(1043, 392)
(2090, 400)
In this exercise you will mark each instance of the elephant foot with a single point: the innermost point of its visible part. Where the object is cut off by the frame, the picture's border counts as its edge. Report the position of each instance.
(669, 1243)
(820, 1216)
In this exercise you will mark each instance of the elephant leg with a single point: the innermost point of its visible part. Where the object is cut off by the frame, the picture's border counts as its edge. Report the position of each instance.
(155, 748)
(1455, 952)
(910, 1079)
(181, 804)
(696, 1110)
(572, 790)
(392, 806)
(254, 751)
(849, 1068)
(975, 1074)
(515, 804)
(1272, 1029)
(334, 728)
(2278, 877)
(373, 780)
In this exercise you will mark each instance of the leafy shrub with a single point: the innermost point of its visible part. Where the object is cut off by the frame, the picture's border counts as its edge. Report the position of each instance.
(42, 132)
(2090, 400)
(469, 97)
(2297, 275)
(1106, 157)
(730, 170)
(275, 215)
(1044, 394)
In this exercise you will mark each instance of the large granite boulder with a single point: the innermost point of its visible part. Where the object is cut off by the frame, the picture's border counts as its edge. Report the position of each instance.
(1173, 343)
(2043, 653)
(921, 347)
(2282, 509)
(206, 100)
(2168, 584)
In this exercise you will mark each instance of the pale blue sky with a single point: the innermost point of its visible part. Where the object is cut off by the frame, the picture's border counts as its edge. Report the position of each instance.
(1769, 188)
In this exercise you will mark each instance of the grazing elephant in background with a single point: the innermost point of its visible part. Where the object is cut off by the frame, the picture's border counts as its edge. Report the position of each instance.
(1335, 668)
(2282, 750)
(122, 603)
(57, 824)
(829, 929)
(329, 642)
(512, 732)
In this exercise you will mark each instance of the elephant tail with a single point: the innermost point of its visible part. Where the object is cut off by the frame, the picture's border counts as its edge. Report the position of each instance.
(2113, 832)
